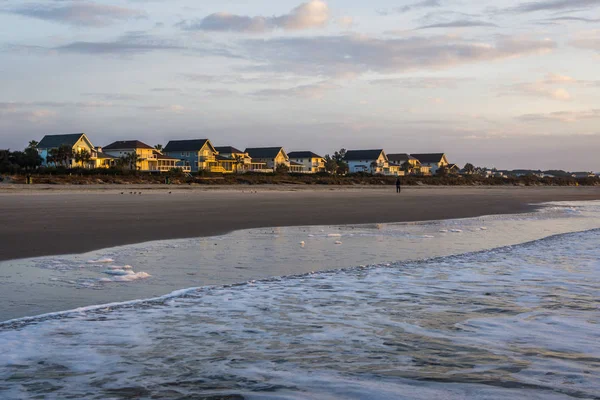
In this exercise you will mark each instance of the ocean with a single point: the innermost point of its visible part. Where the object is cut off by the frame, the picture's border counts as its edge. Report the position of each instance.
(482, 308)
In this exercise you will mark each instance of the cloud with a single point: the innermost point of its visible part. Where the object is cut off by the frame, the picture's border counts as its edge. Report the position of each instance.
(562, 116)
(313, 14)
(575, 19)
(557, 78)
(421, 83)
(131, 43)
(114, 96)
(412, 7)
(345, 22)
(545, 87)
(80, 14)
(587, 40)
(12, 106)
(330, 55)
(459, 24)
(173, 108)
(541, 90)
(312, 91)
(553, 5)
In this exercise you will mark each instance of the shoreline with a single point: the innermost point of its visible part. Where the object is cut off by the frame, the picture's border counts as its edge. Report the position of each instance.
(73, 220)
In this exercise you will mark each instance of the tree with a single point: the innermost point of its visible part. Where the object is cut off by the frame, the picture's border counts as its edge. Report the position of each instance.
(82, 157)
(442, 171)
(64, 154)
(52, 157)
(336, 164)
(31, 158)
(158, 147)
(239, 162)
(122, 162)
(406, 167)
(340, 156)
(132, 160)
(331, 164)
(33, 144)
(469, 168)
(5, 162)
(282, 169)
(373, 166)
(343, 168)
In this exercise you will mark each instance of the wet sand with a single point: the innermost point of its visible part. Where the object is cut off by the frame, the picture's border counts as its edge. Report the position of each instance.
(38, 221)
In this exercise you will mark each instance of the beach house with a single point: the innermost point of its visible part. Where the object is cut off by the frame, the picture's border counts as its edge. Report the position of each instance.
(373, 162)
(166, 163)
(134, 155)
(414, 165)
(63, 150)
(272, 157)
(311, 162)
(103, 160)
(432, 160)
(233, 160)
(195, 155)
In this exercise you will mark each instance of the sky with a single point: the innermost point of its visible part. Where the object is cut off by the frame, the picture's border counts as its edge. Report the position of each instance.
(504, 83)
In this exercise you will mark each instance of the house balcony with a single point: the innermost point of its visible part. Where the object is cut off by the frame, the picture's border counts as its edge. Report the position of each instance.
(218, 169)
(207, 159)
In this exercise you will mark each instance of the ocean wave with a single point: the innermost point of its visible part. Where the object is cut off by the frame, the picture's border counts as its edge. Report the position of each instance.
(483, 324)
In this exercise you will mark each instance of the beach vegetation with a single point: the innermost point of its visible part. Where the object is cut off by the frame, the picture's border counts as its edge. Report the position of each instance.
(469, 168)
(282, 169)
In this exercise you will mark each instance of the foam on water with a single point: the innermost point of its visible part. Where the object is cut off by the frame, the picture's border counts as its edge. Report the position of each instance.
(520, 321)
(101, 261)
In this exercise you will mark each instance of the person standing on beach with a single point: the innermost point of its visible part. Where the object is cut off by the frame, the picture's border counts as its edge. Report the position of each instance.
(398, 187)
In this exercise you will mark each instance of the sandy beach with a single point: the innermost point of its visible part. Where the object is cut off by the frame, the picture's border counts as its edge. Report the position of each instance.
(52, 220)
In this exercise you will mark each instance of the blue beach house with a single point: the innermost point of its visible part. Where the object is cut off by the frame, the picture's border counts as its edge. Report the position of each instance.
(198, 154)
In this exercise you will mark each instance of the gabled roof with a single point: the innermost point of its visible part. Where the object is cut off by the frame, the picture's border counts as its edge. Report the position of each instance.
(55, 141)
(127, 144)
(228, 150)
(185, 145)
(355, 155)
(429, 157)
(263, 152)
(303, 154)
(400, 157)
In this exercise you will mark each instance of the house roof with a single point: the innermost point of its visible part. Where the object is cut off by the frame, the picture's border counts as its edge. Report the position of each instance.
(354, 155)
(224, 158)
(400, 157)
(54, 141)
(303, 154)
(429, 157)
(263, 152)
(104, 155)
(296, 164)
(228, 150)
(185, 145)
(160, 156)
(127, 144)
